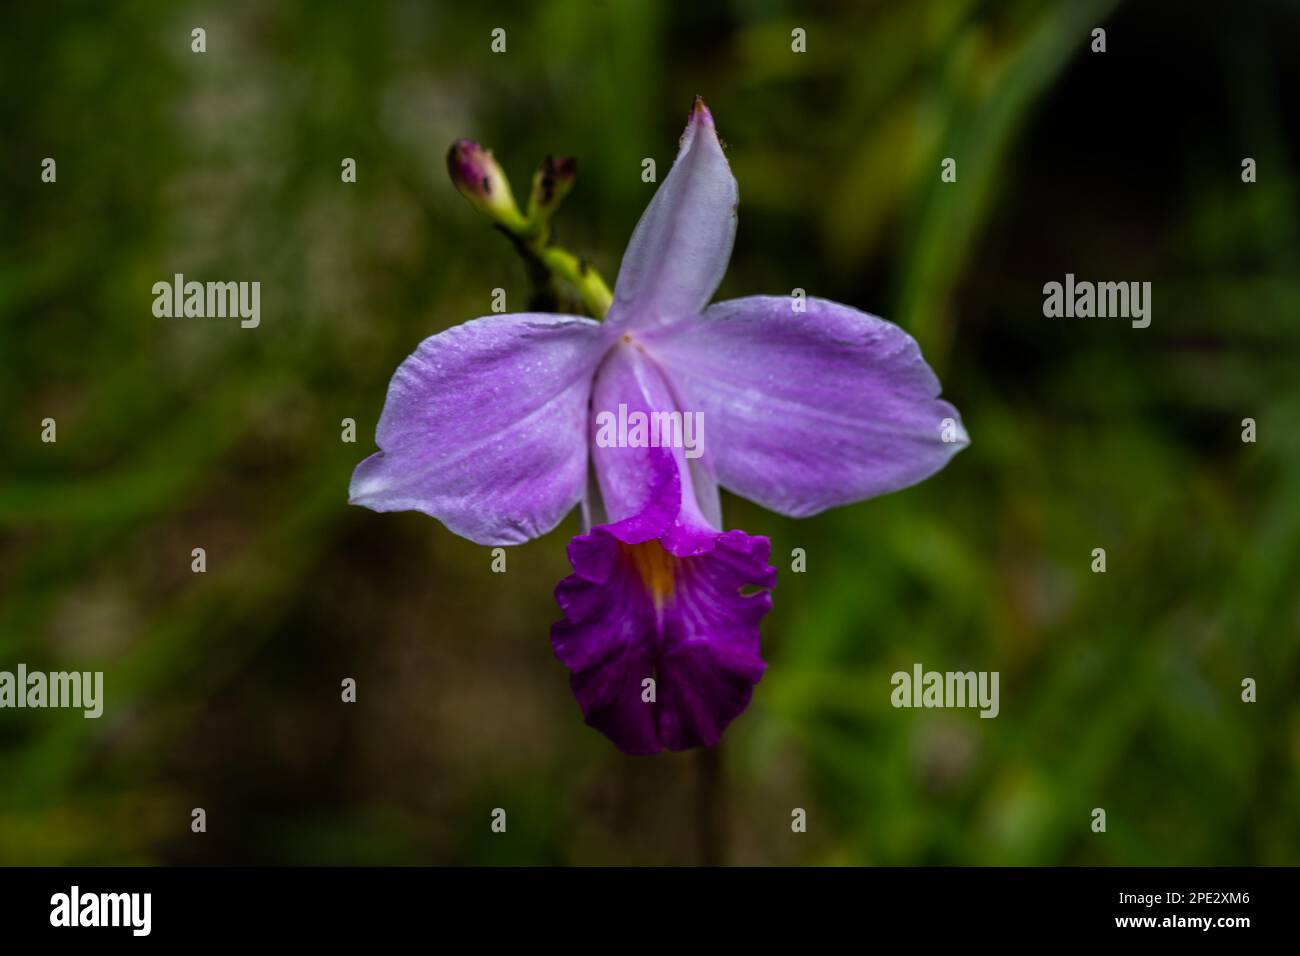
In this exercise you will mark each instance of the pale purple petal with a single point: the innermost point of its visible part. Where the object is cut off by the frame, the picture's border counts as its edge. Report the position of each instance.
(629, 384)
(485, 427)
(808, 410)
(679, 251)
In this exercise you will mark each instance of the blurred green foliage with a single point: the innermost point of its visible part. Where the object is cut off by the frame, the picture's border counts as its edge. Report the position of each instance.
(1119, 690)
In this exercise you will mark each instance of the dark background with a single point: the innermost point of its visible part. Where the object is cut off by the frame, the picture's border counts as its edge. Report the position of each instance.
(1119, 691)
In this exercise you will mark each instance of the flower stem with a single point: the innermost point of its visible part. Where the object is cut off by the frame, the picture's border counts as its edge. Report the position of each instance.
(580, 274)
(711, 800)
(547, 262)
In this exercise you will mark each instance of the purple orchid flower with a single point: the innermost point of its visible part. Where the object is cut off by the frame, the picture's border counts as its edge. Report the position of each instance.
(491, 428)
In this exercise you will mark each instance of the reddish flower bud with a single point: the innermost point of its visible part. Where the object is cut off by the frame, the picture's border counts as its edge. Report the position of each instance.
(481, 180)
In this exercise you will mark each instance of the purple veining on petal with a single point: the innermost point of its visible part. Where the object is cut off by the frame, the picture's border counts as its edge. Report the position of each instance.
(657, 593)
(808, 410)
(639, 610)
(484, 427)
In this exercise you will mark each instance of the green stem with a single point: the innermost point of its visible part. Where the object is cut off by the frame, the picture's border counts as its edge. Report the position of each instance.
(580, 274)
(547, 261)
(710, 804)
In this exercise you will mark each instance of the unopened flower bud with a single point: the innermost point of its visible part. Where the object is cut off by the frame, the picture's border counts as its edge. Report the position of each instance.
(481, 180)
(551, 183)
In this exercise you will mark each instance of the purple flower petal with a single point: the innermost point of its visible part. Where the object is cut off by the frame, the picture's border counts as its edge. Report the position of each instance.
(807, 411)
(656, 594)
(631, 478)
(484, 427)
(680, 248)
(643, 610)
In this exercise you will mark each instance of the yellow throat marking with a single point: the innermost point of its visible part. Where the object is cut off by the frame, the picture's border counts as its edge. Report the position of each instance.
(655, 567)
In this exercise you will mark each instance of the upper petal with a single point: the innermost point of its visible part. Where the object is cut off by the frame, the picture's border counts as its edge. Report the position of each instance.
(809, 410)
(680, 248)
(484, 427)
